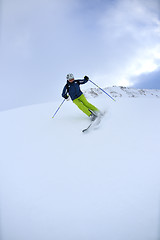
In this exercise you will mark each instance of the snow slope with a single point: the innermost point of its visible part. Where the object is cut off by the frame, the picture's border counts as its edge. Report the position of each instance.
(58, 183)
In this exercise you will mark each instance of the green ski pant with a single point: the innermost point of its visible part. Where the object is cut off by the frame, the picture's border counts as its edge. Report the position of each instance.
(84, 105)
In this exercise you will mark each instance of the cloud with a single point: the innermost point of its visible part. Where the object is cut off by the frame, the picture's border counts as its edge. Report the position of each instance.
(35, 36)
(131, 35)
(147, 80)
(43, 40)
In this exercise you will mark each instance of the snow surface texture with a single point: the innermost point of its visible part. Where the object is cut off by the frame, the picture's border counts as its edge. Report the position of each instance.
(58, 183)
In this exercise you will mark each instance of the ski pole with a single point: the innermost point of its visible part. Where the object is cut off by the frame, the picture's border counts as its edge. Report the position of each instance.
(59, 107)
(102, 90)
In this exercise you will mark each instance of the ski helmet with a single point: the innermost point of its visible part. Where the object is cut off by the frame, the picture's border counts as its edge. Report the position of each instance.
(69, 76)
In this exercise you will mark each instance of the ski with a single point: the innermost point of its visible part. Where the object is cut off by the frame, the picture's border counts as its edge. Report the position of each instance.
(86, 129)
(95, 124)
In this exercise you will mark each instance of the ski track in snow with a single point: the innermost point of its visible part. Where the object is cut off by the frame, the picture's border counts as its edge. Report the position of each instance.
(58, 183)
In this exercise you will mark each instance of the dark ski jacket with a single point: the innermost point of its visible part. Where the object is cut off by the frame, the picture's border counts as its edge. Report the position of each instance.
(73, 88)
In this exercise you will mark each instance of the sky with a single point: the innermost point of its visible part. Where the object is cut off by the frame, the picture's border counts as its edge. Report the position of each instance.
(114, 42)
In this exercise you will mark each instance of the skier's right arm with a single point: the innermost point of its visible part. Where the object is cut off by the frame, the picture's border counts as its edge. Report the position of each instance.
(65, 91)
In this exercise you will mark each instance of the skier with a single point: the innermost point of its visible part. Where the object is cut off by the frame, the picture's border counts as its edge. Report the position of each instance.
(72, 88)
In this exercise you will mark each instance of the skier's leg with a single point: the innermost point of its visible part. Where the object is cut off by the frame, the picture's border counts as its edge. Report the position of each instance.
(81, 106)
(87, 104)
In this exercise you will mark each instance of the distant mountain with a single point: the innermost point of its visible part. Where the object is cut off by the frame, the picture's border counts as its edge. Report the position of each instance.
(118, 91)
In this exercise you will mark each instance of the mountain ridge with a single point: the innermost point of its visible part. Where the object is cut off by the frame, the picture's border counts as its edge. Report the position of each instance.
(120, 91)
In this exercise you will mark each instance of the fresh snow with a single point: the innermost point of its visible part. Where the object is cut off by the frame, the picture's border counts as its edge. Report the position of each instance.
(58, 183)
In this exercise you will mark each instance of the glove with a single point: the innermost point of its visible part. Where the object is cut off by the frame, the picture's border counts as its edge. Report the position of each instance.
(86, 78)
(66, 97)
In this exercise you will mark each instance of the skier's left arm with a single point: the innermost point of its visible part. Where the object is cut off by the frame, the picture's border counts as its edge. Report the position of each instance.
(83, 81)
